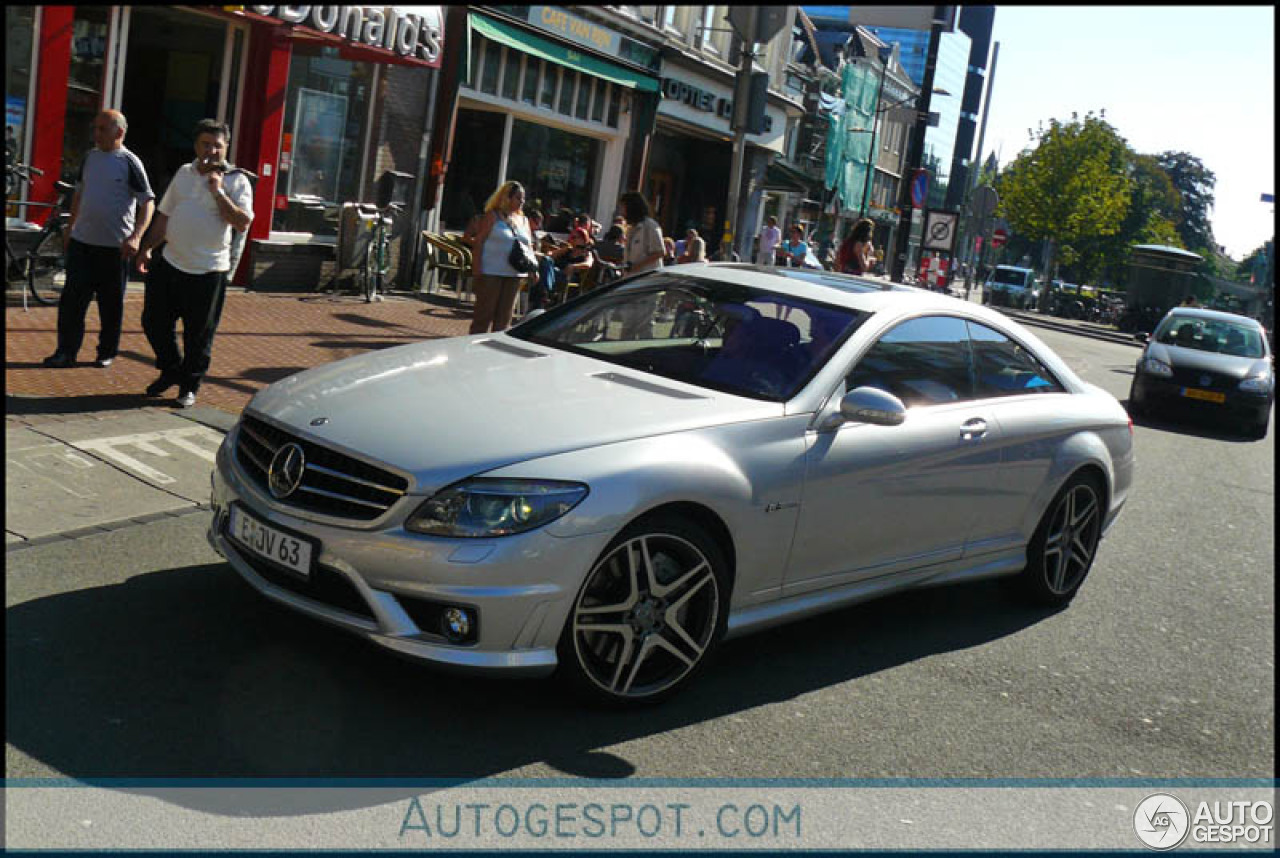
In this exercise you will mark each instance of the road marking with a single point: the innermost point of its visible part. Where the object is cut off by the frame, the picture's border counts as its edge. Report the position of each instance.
(109, 448)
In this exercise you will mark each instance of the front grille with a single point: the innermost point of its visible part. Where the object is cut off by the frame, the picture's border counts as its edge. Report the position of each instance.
(325, 585)
(1194, 378)
(333, 483)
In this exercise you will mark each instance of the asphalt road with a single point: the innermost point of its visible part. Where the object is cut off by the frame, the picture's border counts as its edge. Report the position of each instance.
(137, 653)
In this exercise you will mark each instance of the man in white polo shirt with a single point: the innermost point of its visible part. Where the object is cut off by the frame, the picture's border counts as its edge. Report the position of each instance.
(188, 280)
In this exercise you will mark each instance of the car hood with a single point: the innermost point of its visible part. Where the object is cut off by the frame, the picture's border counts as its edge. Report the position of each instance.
(443, 410)
(1202, 361)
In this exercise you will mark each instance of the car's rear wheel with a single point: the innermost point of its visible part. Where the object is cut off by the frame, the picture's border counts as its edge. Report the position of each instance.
(648, 614)
(1063, 547)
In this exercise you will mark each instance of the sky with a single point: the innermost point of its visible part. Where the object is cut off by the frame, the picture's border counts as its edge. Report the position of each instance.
(1195, 79)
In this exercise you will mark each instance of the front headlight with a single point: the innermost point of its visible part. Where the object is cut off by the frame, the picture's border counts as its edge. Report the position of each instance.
(495, 507)
(1155, 366)
(1256, 384)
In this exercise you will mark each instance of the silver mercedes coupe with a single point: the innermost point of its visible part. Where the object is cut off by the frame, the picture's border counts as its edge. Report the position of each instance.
(613, 487)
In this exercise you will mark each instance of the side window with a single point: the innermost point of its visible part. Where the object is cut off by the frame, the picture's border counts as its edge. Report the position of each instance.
(1005, 368)
(923, 361)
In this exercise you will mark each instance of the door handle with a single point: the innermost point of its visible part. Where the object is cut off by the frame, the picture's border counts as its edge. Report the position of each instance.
(971, 430)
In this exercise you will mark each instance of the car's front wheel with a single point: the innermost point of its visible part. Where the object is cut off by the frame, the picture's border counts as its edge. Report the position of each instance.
(648, 613)
(1063, 547)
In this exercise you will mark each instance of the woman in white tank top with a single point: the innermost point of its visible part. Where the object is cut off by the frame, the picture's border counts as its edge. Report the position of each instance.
(495, 282)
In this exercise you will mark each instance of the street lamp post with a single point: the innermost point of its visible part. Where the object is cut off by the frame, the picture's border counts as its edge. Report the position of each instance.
(915, 150)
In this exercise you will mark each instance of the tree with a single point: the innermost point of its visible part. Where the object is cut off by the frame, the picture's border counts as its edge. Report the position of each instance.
(1151, 218)
(1194, 182)
(1070, 190)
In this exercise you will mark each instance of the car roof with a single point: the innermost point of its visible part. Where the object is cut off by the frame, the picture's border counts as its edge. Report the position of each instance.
(1202, 313)
(868, 294)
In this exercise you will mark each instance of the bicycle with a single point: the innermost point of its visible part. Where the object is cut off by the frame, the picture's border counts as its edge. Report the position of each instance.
(377, 255)
(44, 267)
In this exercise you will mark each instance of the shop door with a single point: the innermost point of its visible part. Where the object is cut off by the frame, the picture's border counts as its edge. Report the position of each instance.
(473, 170)
(173, 78)
(658, 194)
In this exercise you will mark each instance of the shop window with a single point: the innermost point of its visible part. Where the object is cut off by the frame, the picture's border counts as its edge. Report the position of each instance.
(532, 68)
(568, 82)
(585, 85)
(601, 97)
(325, 119)
(19, 47)
(85, 81)
(489, 74)
(670, 20)
(473, 67)
(550, 79)
(559, 170)
(614, 98)
(510, 75)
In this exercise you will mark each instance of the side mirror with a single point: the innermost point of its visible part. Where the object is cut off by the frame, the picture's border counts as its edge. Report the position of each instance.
(1142, 337)
(872, 405)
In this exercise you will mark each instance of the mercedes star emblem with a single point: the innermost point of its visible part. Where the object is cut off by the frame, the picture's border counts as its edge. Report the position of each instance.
(285, 474)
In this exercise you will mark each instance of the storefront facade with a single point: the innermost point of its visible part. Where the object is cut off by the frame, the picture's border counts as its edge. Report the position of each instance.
(539, 102)
(321, 101)
(687, 180)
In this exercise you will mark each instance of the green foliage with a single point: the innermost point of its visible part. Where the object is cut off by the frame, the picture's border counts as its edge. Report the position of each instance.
(1194, 183)
(1072, 189)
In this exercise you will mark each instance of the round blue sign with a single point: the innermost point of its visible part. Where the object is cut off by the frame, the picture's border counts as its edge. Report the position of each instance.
(919, 188)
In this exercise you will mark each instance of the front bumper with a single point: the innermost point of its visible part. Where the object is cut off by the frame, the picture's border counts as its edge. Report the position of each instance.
(370, 581)
(1238, 408)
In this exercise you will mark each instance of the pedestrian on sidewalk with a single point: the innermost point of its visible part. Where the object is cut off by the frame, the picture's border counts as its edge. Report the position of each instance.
(110, 212)
(770, 238)
(856, 254)
(188, 279)
(496, 281)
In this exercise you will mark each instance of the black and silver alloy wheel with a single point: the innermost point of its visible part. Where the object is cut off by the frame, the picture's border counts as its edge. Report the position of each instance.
(649, 612)
(1065, 543)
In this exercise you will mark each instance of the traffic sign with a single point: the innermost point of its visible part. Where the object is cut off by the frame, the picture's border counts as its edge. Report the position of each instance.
(940, 230)
(919, 188)
(999, 237)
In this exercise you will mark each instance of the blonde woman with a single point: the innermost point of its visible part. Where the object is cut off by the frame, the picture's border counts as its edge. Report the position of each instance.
(495, 282)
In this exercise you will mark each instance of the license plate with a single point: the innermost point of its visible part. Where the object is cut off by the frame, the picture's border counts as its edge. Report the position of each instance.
(1204, 395)
(270, 543)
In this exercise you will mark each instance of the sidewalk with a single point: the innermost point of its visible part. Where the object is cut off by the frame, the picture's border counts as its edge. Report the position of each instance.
(262, 338)
(86, 452)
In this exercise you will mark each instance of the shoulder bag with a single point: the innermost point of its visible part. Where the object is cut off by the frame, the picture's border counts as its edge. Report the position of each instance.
(521, 257)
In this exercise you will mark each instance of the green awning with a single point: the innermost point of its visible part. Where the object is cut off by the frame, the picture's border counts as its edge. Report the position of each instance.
(514, 37)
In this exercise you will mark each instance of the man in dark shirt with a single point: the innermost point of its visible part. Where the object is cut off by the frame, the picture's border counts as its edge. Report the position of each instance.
(110, 211)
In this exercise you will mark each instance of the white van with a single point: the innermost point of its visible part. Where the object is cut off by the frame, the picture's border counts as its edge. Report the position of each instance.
(1011, 286)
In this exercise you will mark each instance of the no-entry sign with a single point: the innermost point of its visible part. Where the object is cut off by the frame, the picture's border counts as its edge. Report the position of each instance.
(999, 237)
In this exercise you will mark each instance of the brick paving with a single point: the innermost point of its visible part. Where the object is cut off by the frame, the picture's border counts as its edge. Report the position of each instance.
(263, 337)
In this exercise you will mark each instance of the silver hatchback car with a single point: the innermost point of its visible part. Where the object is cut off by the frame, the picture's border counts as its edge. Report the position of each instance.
(614, 486)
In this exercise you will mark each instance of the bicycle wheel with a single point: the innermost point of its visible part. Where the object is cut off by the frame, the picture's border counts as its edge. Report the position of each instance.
(369, 274)
(47, 269)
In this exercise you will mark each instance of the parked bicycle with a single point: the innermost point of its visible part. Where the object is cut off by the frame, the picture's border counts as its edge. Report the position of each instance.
(377, 255)
(45, 265)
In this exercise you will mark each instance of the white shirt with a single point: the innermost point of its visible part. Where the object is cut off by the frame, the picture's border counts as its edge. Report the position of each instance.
(769, 238)
(198, 240)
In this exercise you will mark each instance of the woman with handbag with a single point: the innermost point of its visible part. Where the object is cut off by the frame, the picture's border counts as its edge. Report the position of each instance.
(503, 256)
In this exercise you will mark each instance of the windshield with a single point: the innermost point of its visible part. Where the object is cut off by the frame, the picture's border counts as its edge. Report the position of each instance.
(1009, 277)
(1211, 335)
(746, 341)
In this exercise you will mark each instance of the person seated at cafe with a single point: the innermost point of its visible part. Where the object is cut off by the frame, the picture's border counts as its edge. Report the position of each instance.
(695, 248)
(610, 248)
(669, 250)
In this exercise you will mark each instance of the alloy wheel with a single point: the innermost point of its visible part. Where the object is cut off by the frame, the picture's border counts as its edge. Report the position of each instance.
(647, 615)
(1072, 539)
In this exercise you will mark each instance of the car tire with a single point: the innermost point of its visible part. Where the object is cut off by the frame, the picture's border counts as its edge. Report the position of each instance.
(648, 614)
(1137, 408)
(1065, 543)
(1258, 429)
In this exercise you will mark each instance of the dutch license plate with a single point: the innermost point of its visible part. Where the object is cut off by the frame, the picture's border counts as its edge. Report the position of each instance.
(1204, 395)
(270, 543)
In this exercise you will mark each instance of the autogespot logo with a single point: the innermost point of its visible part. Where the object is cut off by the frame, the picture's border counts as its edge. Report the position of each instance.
(1162, 821)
